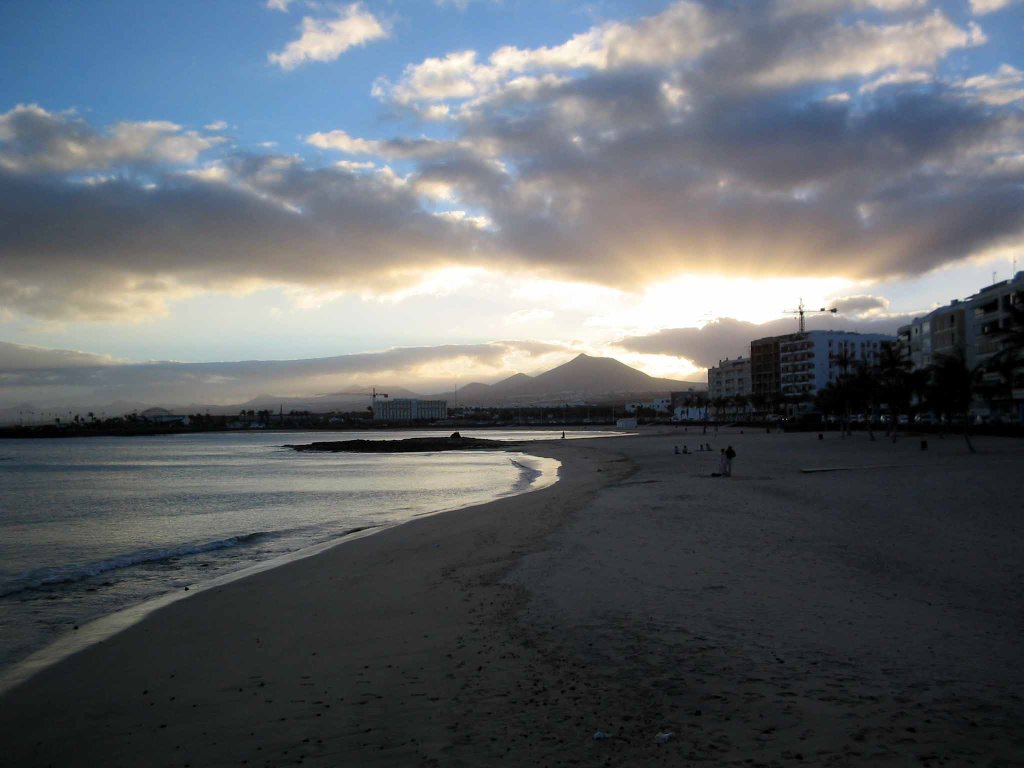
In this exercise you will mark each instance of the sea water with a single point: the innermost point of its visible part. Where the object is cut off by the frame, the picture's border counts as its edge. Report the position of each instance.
(90, 526)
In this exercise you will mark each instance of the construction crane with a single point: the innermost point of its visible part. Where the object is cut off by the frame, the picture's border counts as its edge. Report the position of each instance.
(373, 395)
(801, 310)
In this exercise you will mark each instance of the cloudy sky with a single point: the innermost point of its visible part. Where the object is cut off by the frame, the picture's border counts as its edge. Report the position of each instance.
(429, 193)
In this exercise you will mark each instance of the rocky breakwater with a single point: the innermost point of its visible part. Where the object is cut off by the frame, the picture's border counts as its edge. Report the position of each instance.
(454, 442)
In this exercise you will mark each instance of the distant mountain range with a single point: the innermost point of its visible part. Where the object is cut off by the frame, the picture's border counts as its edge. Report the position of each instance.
(582, 379)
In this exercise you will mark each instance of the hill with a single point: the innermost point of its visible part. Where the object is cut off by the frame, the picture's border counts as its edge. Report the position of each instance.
(584, 378)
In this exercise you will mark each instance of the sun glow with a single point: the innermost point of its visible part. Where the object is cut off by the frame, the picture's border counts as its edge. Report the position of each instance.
(695, 300)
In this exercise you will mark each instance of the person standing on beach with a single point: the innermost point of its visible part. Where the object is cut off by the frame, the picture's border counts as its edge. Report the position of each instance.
(723, 465)
(729, 455)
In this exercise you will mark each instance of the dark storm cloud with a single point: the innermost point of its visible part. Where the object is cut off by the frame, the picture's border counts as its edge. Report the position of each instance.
(112, 247)
(764, 185)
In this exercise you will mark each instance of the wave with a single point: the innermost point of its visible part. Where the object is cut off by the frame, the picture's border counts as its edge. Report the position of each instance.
(527, 476)
(65, 574)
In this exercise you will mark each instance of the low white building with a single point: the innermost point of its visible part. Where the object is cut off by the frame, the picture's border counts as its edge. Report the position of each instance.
(690, 413)
(661, 405)
(407, 409)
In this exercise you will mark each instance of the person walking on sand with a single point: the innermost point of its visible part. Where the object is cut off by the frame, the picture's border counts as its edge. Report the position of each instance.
(729, 455)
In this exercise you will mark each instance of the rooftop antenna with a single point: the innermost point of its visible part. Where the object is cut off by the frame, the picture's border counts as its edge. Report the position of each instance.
(801, 310)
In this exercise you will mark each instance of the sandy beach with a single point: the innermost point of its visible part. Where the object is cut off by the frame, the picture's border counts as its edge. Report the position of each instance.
(870, 615)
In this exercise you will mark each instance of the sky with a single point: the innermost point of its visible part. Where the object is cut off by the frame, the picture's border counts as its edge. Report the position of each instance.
(425, 194)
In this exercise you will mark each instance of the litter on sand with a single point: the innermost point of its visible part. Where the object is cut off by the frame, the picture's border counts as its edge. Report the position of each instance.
(664, 736)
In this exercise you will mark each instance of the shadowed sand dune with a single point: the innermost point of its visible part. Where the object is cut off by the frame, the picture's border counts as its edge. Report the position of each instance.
(864, 617)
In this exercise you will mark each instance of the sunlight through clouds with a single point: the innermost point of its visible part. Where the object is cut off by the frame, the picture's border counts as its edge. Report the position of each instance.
(404, 177)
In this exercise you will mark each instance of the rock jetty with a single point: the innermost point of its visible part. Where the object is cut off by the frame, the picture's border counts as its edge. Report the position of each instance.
(409, 445)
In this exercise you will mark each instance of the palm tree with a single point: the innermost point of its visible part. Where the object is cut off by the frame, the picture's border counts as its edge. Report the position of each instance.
(843, 360)
(759, 402)
(893, 373)
(865, 387)
(953, 386)
(739, 404)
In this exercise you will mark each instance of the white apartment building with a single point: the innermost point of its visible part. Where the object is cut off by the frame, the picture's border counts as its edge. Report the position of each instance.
(974, 327)
(810, 361)
(407, 409)
(988, 314)
(730, 378)
(970, 325)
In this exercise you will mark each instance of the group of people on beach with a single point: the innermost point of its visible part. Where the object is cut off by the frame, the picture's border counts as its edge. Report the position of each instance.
(724, 459)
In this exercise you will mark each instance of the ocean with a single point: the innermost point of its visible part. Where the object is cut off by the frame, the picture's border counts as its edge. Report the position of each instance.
(92, 526)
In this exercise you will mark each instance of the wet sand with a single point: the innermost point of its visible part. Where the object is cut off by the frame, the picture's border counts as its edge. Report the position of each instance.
(857, 617)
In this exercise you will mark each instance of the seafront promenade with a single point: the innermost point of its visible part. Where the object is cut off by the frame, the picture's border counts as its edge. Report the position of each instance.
(864, 616)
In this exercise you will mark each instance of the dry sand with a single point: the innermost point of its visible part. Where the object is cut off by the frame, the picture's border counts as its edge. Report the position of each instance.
(861, 617)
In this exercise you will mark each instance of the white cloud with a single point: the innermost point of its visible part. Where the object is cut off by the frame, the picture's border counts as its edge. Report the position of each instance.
(327, 39)
(983, 7)
(342, 142)
(218, 125)
(681, 32)
(862, 49)
(896, 78)
(686, 32)
(1005, 86)
(278, 5)
(355, 167)
(477, 222)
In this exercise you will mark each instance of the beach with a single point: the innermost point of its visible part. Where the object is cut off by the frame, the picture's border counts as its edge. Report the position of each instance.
(868, 615)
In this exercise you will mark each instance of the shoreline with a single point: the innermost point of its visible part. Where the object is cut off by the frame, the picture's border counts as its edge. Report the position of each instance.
(865, 618)
(381, 597)
(102, 627)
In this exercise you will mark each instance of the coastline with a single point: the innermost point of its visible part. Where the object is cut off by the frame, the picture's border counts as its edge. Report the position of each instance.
(102, 627)
(231, 653)
(868, 617)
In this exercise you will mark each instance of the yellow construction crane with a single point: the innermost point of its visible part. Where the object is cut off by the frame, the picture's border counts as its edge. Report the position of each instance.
(801, 310)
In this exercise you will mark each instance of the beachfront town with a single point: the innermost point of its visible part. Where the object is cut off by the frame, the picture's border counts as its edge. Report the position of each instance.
(961, 361)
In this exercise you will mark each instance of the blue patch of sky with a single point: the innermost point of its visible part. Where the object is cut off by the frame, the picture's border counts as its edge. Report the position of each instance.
(200, 61)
